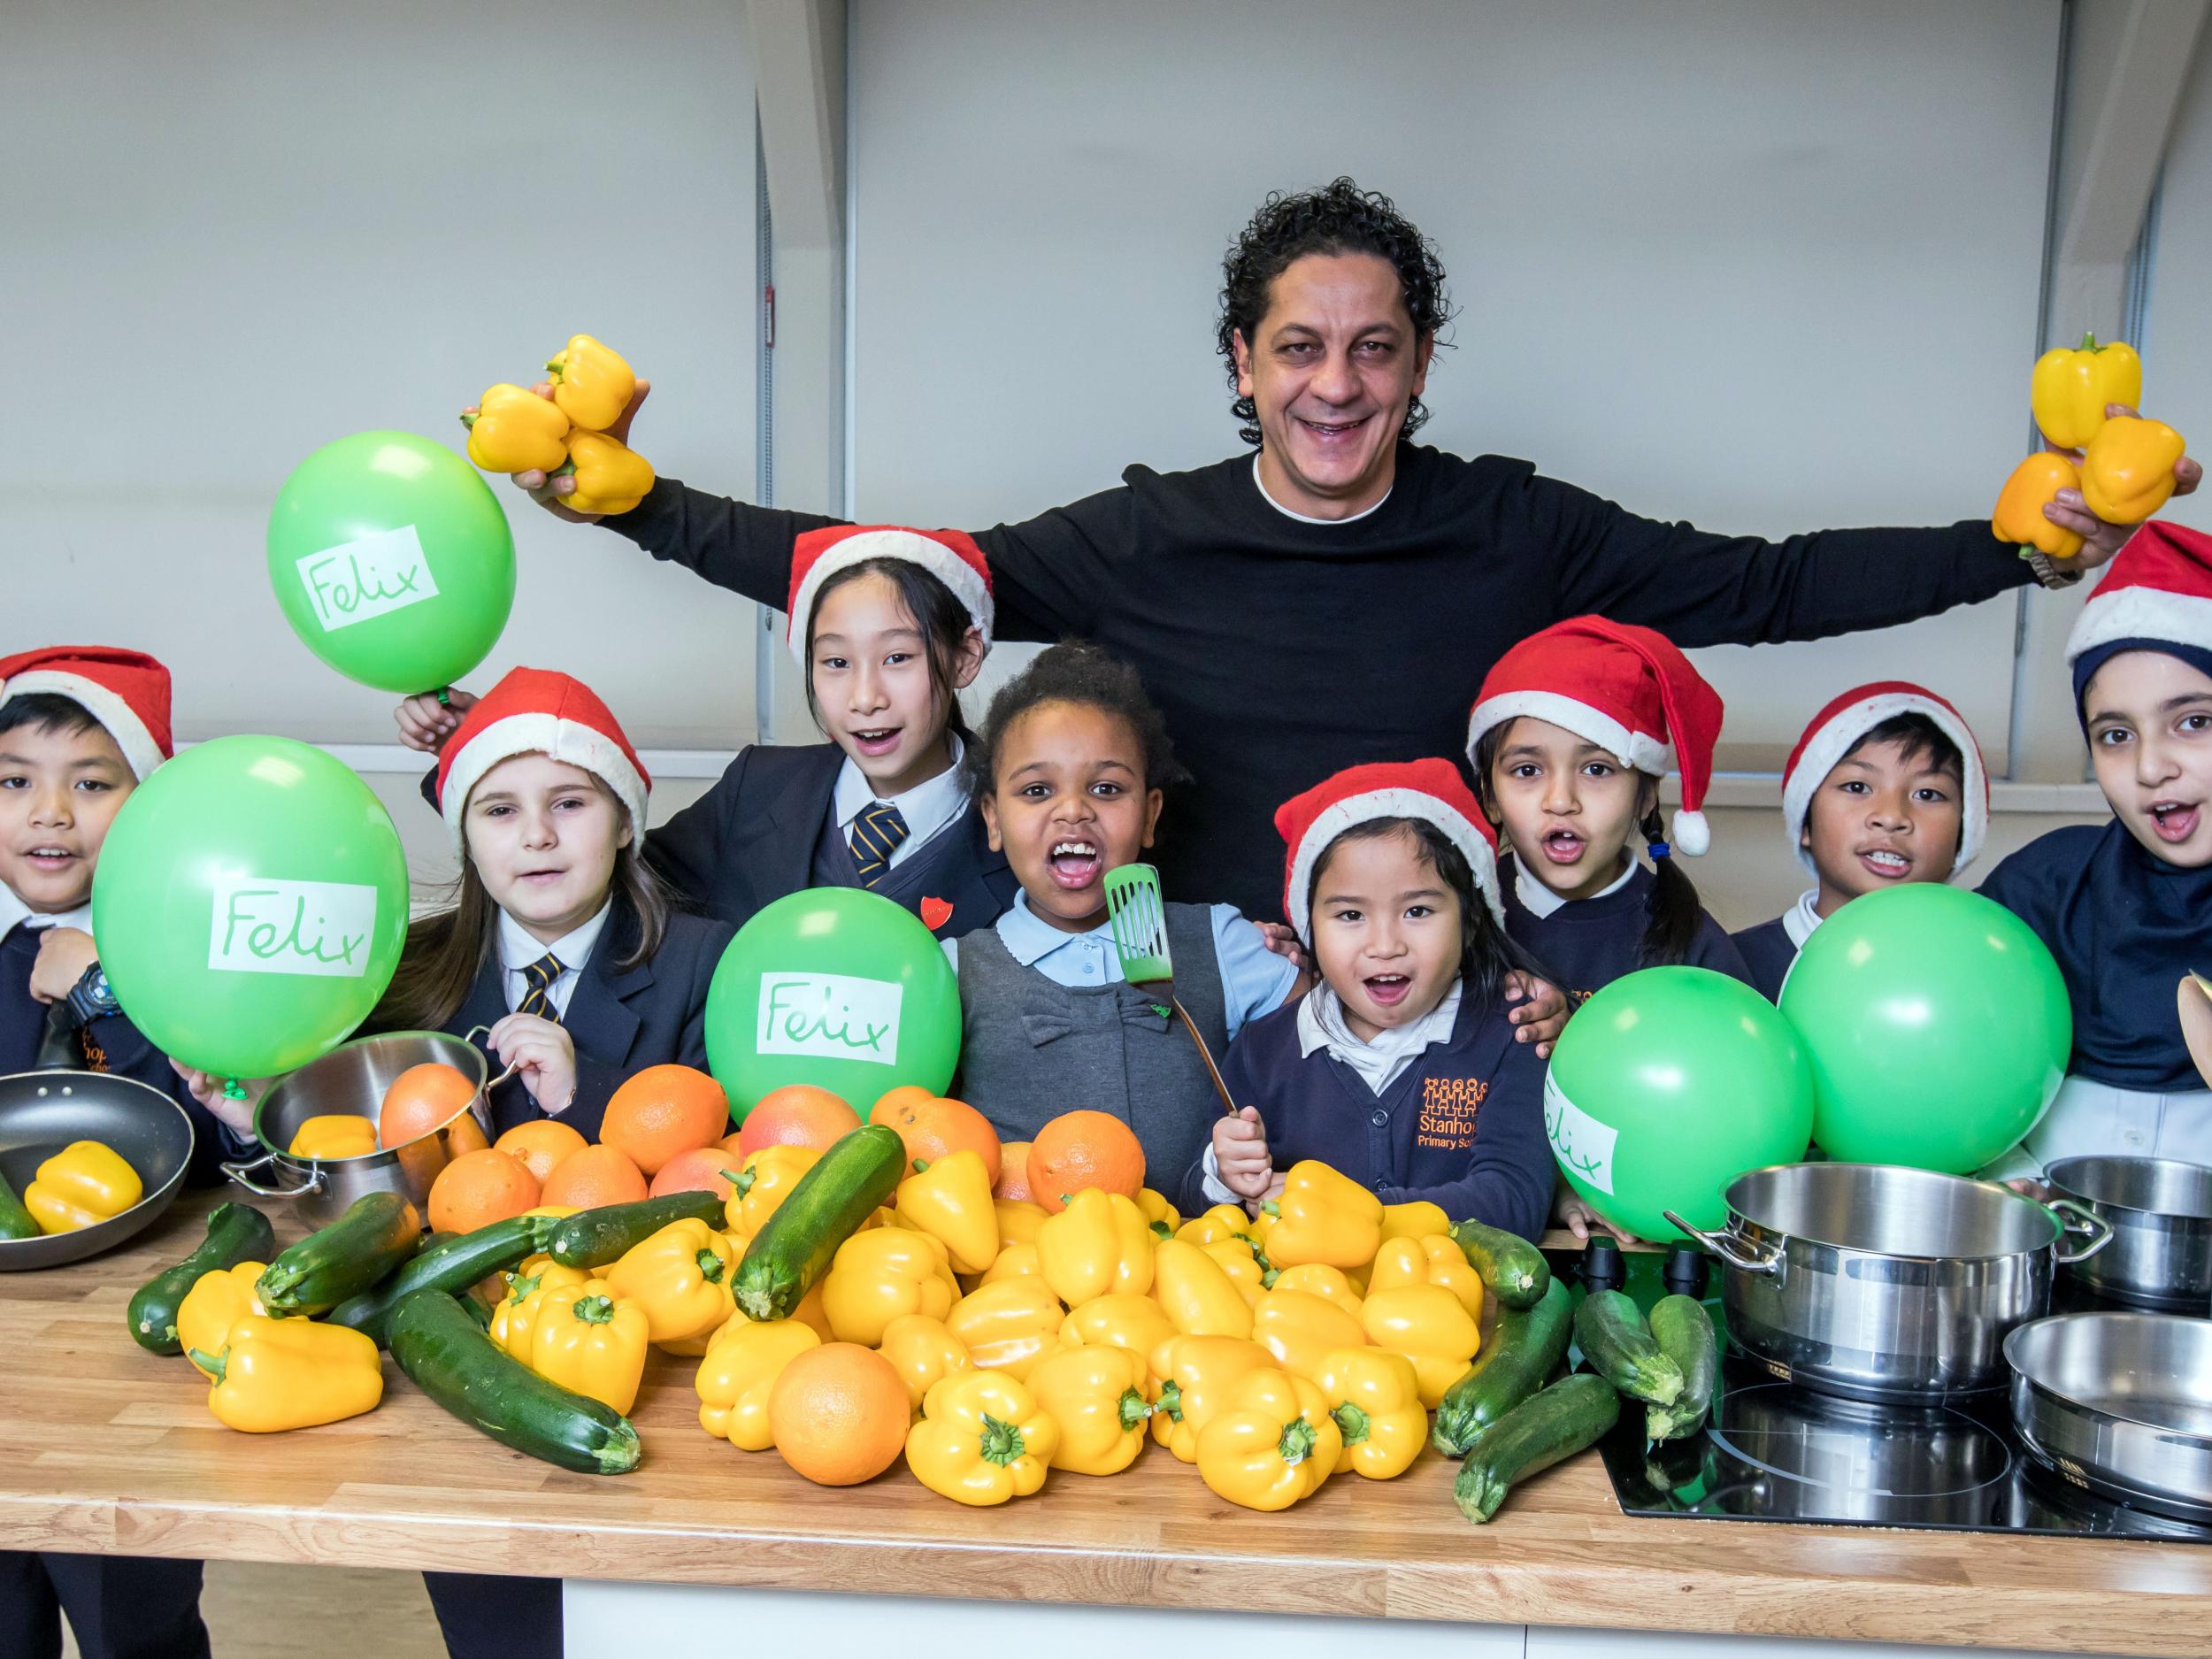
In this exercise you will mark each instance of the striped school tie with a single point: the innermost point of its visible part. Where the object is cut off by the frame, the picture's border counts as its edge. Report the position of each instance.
(537, 997)
(877, 833)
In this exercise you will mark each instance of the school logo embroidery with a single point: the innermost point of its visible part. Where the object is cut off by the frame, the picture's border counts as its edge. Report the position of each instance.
(356, 581)
(1449, 1109)
(829, 1016)
(270, 926)
(1583, 1145)
(935, 913)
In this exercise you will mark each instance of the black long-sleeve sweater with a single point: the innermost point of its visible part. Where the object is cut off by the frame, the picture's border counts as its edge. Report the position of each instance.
(1281, 651)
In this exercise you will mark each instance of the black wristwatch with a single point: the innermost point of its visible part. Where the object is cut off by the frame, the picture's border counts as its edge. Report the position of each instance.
(89, 998)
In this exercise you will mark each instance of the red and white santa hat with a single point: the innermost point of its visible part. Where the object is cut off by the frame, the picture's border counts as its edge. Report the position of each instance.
(951, 556)
(1850, 718)
(1626, 689)
(2158, 590)
(1432, 791)
(126, 692)
(536, 711)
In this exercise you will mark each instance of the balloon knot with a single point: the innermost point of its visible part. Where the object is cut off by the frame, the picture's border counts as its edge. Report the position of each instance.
(233, 1089)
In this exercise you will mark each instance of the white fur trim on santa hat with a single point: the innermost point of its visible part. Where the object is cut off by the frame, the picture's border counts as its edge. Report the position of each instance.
(1360, 809)
(1641, 750)
(115, 717)
(2139, 611)
(1827, 746)
(911, 546)
(540, 734)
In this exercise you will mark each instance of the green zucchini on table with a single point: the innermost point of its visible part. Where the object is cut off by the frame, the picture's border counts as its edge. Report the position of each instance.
(1684, 1331)
(236, 1233)
(1572, 1414)
(859, 1171)
(442, 1349)
(353, 1254)
(1515, 1361)
(1514, 1270)
(1618, 1346)
(452, 1266)
(15, 1221)
(593, 1238)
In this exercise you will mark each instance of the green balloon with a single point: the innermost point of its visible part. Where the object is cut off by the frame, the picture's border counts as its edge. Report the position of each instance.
(1938, 1025)
(250, 905)
(392, 561)
(837, 987)
(1665, 1086)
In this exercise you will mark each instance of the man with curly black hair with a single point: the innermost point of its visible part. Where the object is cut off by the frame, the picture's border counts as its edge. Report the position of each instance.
(1338, 596)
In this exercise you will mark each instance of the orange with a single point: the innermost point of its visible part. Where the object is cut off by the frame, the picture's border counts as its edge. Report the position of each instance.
(541, 1144)
(1081, 1149)
(840, 1414)
(932, 1127)
(1013, 1172)
(477, 1188)
(702, 1169)
(796, 1114)
(465, 1134)
(662, 1110)
(728, 1143)
(421, 1098)
(595, 1175)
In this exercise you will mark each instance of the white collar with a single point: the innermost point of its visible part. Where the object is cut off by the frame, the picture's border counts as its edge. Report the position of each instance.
(1801, 918)
(1029, 939)
(517, 950)
(1307, 517)
(1322, 1024)
(928, 807)
(14, 913)
(1540, 902)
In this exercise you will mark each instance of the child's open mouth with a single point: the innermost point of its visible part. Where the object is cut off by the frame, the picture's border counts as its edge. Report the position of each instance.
(50, 860)
(1563, 846)
(1885, 863)
(1074, 863)
(877, 742)
(1388, 990)
(2173, 822)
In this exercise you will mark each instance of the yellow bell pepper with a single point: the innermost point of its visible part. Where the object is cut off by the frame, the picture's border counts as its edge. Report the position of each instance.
(1120, 1320)
(1376, 1401)
(1272, 1443)
(1322, 1217)
(1019, 1220)
(1300, 1329)
(2127, 473)
(514, 430)
(1318, 1278)
(516, 1314)
(1430, 1326)
(1008, 1326)
(276, 1374)
(610, 477)
(216, 1301)
(1430, 1261)
(950, 1200)
(1420, 1219)
(764, 1181)
(1014, 1261)
(592, 1342)
(1196, 1294)
(334, 1135)
(1223, 1221)
(880, 1274)
(1096, 1395)
(1100, 1242)
(1159, 1215)
(982, 1440)
(2018, 515)
(83, 1183)
(740, 1368)
(592, 383)
(1236, 1257)
(680, 1278)
(923, 1352)
(2068, 389)
(1196, 1374)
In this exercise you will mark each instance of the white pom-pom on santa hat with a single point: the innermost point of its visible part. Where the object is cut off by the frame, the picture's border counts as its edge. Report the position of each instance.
(1625, 688)
(126, 692)
(2158, 587)
(951, 556)
(1831, 733)
(536, 711)
(1431, 791)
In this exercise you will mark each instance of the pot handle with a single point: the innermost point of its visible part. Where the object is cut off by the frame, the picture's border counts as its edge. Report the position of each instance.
(2096, 1227)
(1729, 1248)
(474, 1032)
(243, 1174)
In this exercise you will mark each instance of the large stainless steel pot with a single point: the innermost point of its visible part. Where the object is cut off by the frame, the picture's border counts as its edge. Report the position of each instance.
(2160, 1216)
(1879, 1282)
(2120, 1404)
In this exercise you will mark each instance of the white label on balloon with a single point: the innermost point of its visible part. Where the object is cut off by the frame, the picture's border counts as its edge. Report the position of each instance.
(269, 926)
(830, 1017)
(1583, 1145)
(372, 577)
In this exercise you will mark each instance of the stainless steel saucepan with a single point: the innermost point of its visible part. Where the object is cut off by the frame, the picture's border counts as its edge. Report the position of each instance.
(2120, 1404)
(2160, 1212)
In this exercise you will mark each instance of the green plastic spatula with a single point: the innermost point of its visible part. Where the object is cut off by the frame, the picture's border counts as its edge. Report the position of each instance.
(1138, 917)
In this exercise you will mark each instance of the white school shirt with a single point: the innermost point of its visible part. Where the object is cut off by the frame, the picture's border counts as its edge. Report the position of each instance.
(927, 808)
(1540, 901)
(517, 950)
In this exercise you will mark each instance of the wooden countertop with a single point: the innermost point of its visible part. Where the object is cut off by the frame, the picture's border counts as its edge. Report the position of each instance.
(113, 1450)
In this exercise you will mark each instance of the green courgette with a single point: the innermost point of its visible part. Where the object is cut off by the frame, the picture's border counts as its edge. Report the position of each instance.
(15, 1221)
(1618, 1346)
(1684, 1331)
(860, 1171)
(439, 1346)
(1514, 1363)
(353, 1254)
(236, 1233)
(1573, 1413)
(452, 1266)
(593, 1238)
(1515, 1270)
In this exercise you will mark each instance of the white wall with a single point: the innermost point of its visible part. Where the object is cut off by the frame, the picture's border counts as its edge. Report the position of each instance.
(2176, 343)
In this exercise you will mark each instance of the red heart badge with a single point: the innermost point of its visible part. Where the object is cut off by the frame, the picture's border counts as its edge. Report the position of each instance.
(935, 913)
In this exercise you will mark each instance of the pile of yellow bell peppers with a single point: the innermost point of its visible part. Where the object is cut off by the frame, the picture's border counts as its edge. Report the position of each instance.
(2123, 465)
(514, 429)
